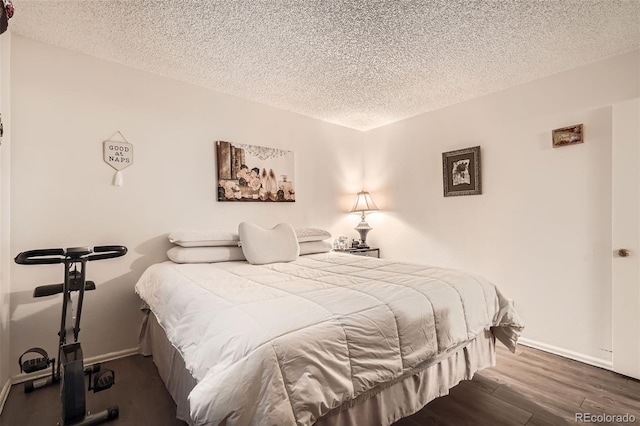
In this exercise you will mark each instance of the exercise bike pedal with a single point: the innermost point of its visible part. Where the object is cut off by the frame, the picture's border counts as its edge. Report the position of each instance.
(37, 364)
(34, 364)
(103, 380)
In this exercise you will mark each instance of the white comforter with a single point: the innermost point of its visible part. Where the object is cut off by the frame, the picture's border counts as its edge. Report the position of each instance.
(284, 343)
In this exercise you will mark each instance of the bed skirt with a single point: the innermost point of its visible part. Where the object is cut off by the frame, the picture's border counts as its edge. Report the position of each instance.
(387, 405)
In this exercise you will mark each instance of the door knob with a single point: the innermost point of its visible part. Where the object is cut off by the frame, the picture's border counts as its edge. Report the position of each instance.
(624, 253)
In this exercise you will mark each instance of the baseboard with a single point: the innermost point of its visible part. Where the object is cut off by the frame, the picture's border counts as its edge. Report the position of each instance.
(4, 394)
(586, 359)
(111, 356)
(22, 377)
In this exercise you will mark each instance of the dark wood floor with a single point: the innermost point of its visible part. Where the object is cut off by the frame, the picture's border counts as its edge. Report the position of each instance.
(139, 393)
(530, 388)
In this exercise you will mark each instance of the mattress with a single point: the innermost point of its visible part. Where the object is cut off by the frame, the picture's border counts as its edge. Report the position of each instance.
(293, 343)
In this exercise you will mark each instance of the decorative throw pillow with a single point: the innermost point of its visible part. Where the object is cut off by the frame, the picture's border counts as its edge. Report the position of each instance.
(261, 246)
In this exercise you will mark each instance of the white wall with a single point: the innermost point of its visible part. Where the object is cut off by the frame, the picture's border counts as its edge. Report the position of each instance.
(65, 104)
(541, 230)
(5, 257)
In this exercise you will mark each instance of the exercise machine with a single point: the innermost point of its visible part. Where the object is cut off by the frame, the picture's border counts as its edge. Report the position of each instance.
(69, 369)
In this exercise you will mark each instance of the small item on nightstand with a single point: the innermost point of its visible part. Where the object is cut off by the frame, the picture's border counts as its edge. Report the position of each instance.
(355, 243)
(343, 243)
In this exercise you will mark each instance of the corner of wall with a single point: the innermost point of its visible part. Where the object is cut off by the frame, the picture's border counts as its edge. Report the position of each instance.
(5, 257)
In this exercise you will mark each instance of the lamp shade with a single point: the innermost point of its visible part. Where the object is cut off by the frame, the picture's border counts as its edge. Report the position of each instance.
(364, 203)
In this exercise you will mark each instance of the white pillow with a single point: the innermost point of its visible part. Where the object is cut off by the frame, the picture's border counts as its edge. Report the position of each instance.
(261, 246)
(312, 247)
(210, 238)
(204, 254)
(311, 234)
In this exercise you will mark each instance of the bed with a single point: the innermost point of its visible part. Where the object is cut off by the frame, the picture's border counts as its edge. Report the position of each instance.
(327, 338)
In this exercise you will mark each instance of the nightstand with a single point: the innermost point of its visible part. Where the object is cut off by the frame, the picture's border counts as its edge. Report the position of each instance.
(370, 252)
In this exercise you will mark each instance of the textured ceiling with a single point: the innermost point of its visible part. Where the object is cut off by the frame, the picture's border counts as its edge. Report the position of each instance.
(361, 64)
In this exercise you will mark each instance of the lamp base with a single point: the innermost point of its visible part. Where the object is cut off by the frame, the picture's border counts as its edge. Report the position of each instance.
(363, 229)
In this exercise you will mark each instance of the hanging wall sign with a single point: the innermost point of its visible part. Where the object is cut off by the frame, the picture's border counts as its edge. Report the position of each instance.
(119, 155)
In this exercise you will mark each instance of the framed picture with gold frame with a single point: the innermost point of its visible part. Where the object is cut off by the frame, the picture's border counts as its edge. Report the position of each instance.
(461, 172)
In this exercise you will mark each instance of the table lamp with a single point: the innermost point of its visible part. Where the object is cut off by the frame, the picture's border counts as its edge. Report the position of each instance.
(364, 203)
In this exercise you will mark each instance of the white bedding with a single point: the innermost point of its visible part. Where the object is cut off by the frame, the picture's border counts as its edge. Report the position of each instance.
(285, 343)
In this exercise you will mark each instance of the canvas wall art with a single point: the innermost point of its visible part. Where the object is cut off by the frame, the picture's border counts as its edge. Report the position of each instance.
(254, 173)
(461, 172)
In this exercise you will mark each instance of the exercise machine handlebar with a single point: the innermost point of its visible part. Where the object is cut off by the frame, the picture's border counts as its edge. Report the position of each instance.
(107, 252)
(58, 255)
(40, 257)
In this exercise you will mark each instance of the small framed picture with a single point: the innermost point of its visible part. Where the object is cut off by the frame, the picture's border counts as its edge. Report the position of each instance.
(461, 172)
(567, 136)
